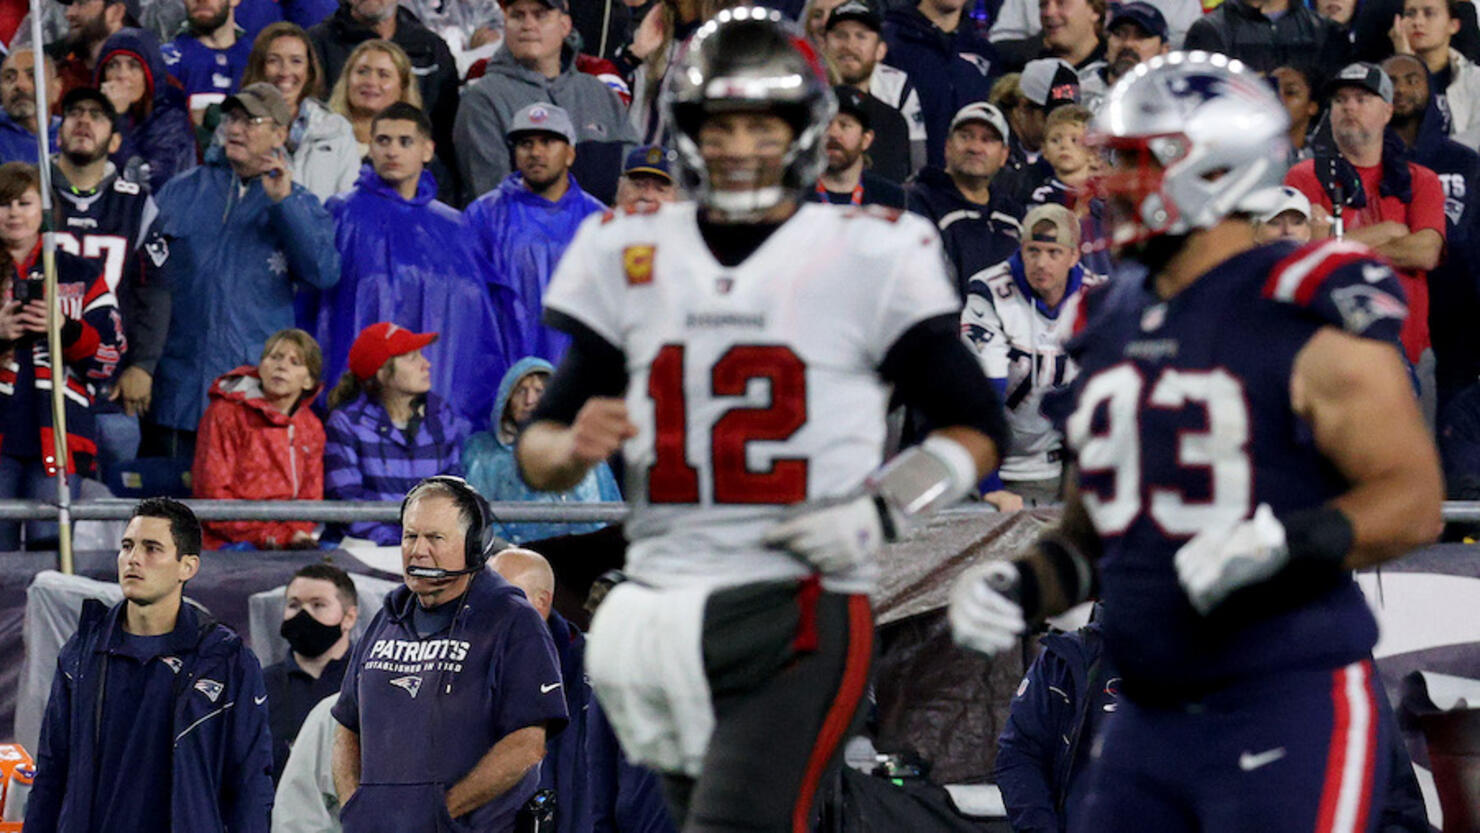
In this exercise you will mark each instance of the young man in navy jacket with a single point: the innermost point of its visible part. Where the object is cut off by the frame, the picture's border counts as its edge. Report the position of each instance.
(157, 719)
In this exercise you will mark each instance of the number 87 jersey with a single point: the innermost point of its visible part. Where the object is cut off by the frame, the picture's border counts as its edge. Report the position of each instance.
(752, 387)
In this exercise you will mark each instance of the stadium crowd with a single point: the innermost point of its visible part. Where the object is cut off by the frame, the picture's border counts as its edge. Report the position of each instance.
(303, 247)
(233, 179)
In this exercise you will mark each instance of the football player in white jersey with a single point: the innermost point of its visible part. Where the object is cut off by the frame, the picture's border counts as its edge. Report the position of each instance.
(740, 350)
(1017, 319)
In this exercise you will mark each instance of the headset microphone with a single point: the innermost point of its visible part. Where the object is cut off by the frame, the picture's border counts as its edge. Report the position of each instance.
(418, 571)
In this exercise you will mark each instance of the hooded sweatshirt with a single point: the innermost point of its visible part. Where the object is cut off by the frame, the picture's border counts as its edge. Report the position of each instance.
(433, 706)
(603, 133)
(521, 236)
(953, 69)
(413, 262)
(491, 469)
(249, 450)
(163, 138)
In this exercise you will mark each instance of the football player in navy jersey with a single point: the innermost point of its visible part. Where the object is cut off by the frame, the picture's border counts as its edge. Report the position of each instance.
(1245, 436)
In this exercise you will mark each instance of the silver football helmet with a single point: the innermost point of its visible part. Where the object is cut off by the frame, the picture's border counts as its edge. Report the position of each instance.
(749, 59)
(1192, 137)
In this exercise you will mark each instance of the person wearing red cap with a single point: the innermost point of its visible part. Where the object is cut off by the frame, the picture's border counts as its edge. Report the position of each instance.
(386, 430)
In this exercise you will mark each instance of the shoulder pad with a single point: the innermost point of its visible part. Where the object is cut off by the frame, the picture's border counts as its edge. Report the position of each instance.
(1344, 284)
(123, 186)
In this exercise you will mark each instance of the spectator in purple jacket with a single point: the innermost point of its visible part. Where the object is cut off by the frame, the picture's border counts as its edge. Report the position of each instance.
(386, 429)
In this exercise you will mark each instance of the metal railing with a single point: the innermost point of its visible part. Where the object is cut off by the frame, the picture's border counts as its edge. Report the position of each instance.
(345, 511)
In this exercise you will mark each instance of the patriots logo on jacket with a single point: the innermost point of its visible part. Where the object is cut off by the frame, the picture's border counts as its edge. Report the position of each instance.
(210, 688)
(173, 662)
(411, 684)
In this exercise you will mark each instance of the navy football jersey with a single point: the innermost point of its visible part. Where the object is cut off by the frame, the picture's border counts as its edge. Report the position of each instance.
(1182, 421)
(105, 224)
(207, 75)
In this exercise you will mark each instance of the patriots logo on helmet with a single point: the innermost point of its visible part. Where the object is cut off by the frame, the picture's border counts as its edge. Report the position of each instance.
(411, 684)
(1361, 306)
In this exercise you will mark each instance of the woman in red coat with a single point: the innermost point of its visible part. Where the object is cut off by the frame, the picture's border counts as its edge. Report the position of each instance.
(260, 440)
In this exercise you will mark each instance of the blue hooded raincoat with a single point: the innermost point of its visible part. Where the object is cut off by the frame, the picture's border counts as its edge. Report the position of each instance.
(492, 471)
(413, 262)
(164, 139)
(521, 235)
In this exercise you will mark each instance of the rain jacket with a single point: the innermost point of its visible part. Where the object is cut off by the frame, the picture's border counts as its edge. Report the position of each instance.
(249, 450)
(164, 140)
(92, 346)
(521, 236)
(491, 469)
(367, 457)
(17, 144)
(952, 69)
(1463, 98)
(488, 106)
(322, 151)
(413, 262)
(222, 753)
(567, 768)
(230, 261)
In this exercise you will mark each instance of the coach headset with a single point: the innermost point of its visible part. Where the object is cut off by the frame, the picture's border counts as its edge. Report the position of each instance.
(480, 542)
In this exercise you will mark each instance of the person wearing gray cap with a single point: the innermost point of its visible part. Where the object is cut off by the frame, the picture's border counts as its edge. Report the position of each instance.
(240, 237)
(524, 225)
(535, 66)
(1393, 205)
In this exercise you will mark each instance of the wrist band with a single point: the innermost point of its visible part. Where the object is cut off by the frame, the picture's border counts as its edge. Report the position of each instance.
(1323, 534)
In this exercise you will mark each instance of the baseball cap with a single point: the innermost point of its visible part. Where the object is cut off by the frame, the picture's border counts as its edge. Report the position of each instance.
(131, 6)
(379, 343)
(1049, 82)
(260, 99)
(1369, 77)
(850, 101)
(983, 112)
(1144, 15)
(1287, 199)
(77, 95)
(557, 5)
(859, 10)
(655, 160)
(1065, 227)
(541, 117)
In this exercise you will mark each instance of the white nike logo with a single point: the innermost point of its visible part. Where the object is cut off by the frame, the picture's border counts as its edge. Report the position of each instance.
(1248, 761)
(549, 687)
(260, 700)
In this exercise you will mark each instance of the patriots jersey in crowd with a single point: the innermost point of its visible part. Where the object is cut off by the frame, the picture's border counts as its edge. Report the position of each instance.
(1020, 342)
(1183, 420)
(207, 75)
(106, 224)
(752, 387)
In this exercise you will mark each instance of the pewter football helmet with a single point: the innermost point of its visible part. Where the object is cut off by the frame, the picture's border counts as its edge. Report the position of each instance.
(749, 59)
(1193, 137)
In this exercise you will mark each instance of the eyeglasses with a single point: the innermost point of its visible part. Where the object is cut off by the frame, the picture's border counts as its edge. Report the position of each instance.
(241, 117)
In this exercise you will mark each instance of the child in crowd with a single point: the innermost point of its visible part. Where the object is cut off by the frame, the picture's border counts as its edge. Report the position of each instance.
(1063, 147)
(387, 430)
(260, 440)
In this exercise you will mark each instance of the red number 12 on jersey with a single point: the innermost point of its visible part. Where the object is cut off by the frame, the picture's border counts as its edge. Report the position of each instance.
(673, 480)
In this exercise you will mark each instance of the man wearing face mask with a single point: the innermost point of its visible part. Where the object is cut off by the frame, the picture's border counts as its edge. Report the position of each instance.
(320, 611)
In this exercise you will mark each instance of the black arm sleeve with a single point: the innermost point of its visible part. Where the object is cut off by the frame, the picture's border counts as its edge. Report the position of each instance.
(591, 367)
(933, 371)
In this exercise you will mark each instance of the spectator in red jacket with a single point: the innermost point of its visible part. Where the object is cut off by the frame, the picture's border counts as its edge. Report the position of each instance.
(259, 440)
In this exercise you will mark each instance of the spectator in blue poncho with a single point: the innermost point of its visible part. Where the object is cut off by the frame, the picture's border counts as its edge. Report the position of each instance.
(488, 457)
(406, 257)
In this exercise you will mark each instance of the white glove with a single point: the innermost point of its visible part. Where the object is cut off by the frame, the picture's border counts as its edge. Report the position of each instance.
(832, 537)
(982, 618)
(1224, 558)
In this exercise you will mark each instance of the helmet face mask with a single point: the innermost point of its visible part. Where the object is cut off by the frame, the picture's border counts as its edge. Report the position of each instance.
(1192, 139)
(743, 63)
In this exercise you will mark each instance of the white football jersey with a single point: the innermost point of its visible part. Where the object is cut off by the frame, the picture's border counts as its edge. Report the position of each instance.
(752, 387)
(1017, 339)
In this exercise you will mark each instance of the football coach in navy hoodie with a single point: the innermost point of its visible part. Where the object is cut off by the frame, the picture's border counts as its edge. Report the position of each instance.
(449, 697)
